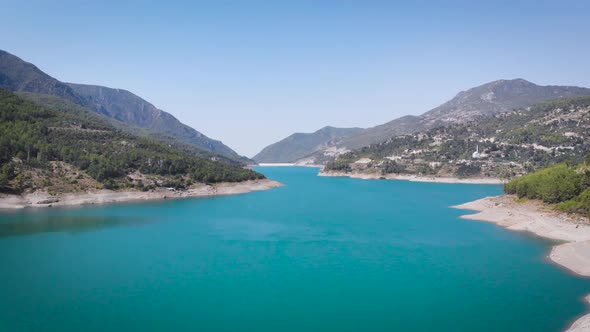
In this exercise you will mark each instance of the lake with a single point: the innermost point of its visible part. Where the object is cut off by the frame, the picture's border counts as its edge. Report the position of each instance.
(320, 254)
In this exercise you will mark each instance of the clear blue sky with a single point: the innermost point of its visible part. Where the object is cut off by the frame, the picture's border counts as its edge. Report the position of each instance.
(252, 72)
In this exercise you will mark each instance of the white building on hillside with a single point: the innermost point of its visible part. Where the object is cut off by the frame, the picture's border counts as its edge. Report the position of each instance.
(476, 154)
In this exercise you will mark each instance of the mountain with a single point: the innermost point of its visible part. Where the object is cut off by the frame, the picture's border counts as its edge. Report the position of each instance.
(497, 97)
(300, 145)
(126, 107)
(502, 145)
(485, 100)
(62, 105)
(20, 76)
(405, 124)
(71, 150)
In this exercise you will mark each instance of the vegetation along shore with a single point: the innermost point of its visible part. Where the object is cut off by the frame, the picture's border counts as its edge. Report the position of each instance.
(60, 154)
(553, 203)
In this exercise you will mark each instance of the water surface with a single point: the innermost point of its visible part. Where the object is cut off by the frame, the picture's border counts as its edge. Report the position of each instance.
(320, 254)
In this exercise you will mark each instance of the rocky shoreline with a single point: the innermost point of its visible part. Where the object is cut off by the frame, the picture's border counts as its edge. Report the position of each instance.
(44, 199)
(542, 220)
(409, 177)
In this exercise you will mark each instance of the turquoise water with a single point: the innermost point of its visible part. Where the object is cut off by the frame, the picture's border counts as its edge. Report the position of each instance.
(321, 254)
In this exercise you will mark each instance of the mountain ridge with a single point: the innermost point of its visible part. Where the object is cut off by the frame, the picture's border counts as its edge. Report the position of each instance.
(300, 145)
(468, 105)
(488, 99)
(18, 75)
(485, 100)
(72, 149)
(113, 103)
(503, 146)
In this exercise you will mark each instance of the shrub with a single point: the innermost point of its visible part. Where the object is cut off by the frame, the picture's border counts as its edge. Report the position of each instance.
(465, 170)
(579, 204)
(554, 184)
(391, 166)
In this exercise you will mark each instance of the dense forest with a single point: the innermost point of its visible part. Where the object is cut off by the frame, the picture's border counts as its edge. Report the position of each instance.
(567, 185)
(34, 138)
(63, 105)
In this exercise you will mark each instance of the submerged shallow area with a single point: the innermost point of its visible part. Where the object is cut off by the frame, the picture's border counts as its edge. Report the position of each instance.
(320, 254)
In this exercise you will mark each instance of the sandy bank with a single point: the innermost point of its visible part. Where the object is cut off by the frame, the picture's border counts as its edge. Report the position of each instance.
(582, 324)
(275, 164)
(43, 199)
(289, 165)
(415, 178)
(540, 219)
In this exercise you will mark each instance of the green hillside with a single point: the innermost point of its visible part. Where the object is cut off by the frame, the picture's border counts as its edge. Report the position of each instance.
(509, 144)
(42, 147)
(482, 101)
(63, 105)
(568, 186)
(19, 76)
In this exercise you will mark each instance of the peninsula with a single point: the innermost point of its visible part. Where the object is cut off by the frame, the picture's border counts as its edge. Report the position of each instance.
(553, 203)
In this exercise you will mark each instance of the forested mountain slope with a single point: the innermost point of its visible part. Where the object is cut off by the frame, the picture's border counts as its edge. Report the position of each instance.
(20, 76)
(63, 105)
(74, 149)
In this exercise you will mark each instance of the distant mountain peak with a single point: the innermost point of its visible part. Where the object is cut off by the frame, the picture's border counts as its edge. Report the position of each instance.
(497, 97)
(300, 145)
(18, 75)
(514, 80)
(488, 99)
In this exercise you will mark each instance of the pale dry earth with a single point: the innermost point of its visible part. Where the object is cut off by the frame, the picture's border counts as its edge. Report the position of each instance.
(542, 220)
(409, 177)
(103, 196)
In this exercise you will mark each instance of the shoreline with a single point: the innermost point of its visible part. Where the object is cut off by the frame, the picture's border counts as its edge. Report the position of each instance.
(413, 178)
(289, 165)
(42, 199)
(275, 164)
(540, 219)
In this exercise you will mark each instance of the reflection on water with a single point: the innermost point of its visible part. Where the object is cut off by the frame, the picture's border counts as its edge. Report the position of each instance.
(37, 223)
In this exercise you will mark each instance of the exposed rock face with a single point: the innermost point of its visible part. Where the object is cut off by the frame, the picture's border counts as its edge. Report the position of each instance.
(485, 100)
(18, 75)
(129, 108)
(497, 97)
(48, 201)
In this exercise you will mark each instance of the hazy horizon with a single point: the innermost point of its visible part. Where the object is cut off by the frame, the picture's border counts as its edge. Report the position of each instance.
(252, 74)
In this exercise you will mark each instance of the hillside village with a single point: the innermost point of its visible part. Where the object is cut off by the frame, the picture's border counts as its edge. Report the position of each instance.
(501, 146)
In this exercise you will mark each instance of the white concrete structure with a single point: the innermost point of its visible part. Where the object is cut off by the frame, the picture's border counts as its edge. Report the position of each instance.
(476, 154)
